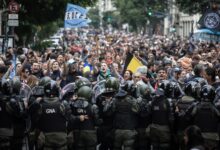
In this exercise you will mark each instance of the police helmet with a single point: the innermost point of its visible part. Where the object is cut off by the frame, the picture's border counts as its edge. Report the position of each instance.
(82, 82)
(201, 81)
(207, 93)
(143, 90)
(51, 89)
(44, 81)
(111, 84)
(129, 87)
(163, 84)
(16, 85)
(175, 90)
(167, 87)
(6, 87)
(85, 92)
(217, 95)
(193, 89)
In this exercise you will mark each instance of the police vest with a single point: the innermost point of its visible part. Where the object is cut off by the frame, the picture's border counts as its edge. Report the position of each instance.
(183, 105)
(82, 107)
(144, 117)
(52, 119)
(206, 117)
(160, 111)
(102, 103)
(6, 117)
(125, 117)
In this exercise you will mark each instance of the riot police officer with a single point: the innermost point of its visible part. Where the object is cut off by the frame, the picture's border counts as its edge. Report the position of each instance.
(6, 130)
(206, 116)
(125, 109)
(172, 92)
(51, 116)
(183, 105)
(19, 121)
(8, 111)
(105, 131)
(144, 119)
(37, 93)
(162, 121)
(86, 115)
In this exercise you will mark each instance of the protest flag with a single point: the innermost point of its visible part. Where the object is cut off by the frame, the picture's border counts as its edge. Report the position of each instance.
(191, 40)
(210, 20)
(131, 63)
(75, 16)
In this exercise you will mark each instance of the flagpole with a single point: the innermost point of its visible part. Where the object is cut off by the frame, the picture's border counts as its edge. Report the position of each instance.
(192, 24)
(191, 45)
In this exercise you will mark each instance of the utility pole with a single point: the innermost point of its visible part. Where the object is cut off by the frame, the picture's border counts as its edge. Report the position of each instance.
(1, 22)
(2, 19)
(4, 28)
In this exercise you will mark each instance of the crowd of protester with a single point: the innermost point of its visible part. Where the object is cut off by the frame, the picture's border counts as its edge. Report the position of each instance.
(86, 55)
(98, 56)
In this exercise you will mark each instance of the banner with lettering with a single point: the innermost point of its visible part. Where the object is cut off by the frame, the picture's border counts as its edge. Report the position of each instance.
(75, 16)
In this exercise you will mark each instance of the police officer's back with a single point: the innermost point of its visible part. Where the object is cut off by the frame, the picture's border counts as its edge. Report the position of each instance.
(9, 110)
(162, 121)
(144, 119)
(183, 105)
(19, 121)
(38, 91)
(103, 101)
(206, 117)
(125, 109)
(51, 116)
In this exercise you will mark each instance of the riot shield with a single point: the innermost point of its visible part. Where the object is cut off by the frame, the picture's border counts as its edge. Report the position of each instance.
(217, 96)
(25, 91)
(98, 89)
(37, 91)
(68, 91)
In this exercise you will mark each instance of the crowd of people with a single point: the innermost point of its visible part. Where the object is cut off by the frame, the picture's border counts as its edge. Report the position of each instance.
(83, 97)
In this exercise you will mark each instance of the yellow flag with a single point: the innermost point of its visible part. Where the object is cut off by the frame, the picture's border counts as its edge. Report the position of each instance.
(134, 64)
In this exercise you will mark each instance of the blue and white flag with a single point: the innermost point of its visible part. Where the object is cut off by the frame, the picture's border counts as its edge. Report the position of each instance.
(210, 20)
(75, 16)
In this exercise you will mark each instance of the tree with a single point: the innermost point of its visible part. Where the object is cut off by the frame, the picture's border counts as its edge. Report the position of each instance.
(41, 12)
(138, 12)
(93, 15)
(111, 17)
(195, 6)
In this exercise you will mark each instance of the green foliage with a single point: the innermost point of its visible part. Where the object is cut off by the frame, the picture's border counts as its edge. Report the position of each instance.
(47, 30)
(43, 11)
(111, 17)
(93, 15)
(41, 45)
(192, 7)
(138, 12)
(35, 13)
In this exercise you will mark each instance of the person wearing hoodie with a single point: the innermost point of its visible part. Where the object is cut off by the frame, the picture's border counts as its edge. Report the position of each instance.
(104, 72)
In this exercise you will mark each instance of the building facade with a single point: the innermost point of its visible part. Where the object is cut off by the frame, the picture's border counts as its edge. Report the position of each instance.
(179, 23)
